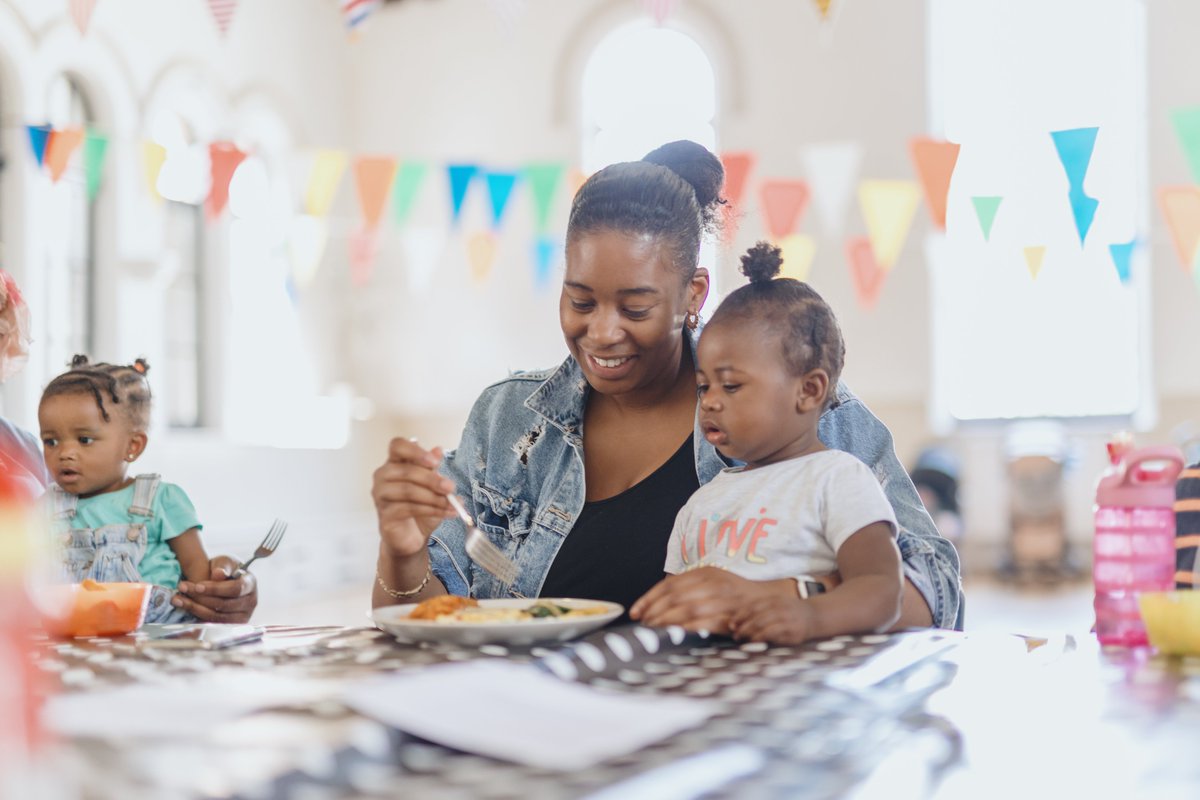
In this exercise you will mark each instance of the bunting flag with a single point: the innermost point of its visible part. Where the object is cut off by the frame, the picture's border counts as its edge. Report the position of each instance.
(1075, 148)
(355, 12)
(1122, 256)
(222, 14)
(661, 10)
(1187, 128)
(737, 170)
(985, 210)
(500, 186)
(888, 208)
(783, 204)
(224, 159)
(81, 14)
(1033, 259)
(545, 251)
(798, 251)
(865, 272)
(1181, 207)
(373, 178)
(823, 8)
(306, 242)
(363, 247)
(95, 146)
(481, 253)
(408, 181)
(60, 146)
(832, 170)
(460, 176)
(934, 162)
(323, 179)
(38, 136)
(544, 179)
(577, 179)
(153, 156)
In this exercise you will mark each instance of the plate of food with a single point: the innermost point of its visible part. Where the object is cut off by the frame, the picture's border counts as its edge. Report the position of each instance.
(464, 620)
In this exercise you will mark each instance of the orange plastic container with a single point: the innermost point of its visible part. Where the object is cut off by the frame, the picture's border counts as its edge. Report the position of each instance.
(100, 609)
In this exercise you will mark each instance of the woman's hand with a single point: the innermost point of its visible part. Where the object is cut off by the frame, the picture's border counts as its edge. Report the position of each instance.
(410, 497)
(224, 597)
(705, 599)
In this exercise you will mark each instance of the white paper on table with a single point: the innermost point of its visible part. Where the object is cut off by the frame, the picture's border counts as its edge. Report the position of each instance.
(516, 712)
(176, 709)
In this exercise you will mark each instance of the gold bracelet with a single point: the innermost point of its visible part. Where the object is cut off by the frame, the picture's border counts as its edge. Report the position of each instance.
(401, 595)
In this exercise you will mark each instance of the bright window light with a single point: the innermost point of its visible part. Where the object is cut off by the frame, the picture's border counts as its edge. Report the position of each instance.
(1072, 342)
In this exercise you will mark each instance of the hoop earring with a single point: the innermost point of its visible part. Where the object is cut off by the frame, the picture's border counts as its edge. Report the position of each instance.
(692, 321)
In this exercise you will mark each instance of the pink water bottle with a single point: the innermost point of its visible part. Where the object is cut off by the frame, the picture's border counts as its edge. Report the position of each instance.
(1134, 548)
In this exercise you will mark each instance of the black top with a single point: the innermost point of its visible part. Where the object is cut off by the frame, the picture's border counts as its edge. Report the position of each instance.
(618, 546)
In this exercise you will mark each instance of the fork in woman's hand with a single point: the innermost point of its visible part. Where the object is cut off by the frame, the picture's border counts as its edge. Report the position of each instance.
(268, 545)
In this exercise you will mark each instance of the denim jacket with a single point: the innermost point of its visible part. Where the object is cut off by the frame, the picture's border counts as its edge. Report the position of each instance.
(519, 466)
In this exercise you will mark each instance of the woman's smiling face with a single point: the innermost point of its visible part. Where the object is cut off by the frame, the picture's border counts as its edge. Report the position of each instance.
(622, 310)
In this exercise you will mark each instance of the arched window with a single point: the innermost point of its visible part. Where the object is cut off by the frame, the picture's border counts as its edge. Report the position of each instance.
(645, 85)
(70, 254)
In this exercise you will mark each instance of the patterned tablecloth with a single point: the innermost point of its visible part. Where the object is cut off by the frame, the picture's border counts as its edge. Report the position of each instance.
(825, 720)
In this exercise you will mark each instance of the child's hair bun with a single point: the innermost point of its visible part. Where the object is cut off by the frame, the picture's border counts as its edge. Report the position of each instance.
(762, 262)
(141, 365)
(79, 360)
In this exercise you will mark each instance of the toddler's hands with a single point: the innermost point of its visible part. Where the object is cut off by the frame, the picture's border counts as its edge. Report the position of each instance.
(221, 598)
(410, 496)
(703, 599)
(777, 617)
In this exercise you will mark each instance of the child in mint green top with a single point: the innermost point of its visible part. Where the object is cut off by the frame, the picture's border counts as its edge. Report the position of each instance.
(111, 527)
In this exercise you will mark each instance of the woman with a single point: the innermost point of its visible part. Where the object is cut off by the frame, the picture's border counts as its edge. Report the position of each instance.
(577, 473)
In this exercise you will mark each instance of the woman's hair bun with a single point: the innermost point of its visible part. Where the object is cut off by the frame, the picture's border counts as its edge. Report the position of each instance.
(762, 262)
(79, 360)
(697, 165)
(141, 365)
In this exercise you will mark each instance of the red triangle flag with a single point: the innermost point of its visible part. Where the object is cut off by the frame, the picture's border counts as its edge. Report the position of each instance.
(373, 176)
(737, 169)
(62, 143)
(934, 161)
(364, 247)
(784, 203)
(81, 14)
(224, 158)
(222, 13)
(864, 271)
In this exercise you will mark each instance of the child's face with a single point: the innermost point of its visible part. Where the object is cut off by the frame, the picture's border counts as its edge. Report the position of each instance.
(86, 455)
(751, 408)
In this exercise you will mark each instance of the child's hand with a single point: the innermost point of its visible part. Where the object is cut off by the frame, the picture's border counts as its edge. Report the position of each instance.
(704, 599)
(780, 618)
(221, 598)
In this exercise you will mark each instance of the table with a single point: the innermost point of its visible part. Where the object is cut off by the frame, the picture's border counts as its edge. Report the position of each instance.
(916, 714)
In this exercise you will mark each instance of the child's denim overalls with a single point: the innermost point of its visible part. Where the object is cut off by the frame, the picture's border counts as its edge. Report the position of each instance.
(111, 553)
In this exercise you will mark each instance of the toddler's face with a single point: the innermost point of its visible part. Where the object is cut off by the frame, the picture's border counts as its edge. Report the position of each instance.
(748, 399)
(85, 455)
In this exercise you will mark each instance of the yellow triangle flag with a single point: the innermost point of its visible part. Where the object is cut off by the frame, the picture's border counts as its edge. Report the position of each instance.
(153, 156)
(327, 169)
(823, 8)
(1181, 207)
(1033, 259)
(481, 252)
(798, 251)
(888, 208)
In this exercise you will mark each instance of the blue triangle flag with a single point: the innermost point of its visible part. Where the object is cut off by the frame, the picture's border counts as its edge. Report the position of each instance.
(545, 250)
(38, 136)
(1084, 209)
(1122, 254)
(1075, 152)
(500, 186)
(460, 181)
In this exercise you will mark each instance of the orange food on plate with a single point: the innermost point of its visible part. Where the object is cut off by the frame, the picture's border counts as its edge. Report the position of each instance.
(435, 607)
(100, 609)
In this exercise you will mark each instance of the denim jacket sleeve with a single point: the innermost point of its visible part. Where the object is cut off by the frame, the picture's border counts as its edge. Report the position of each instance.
(447, 546)
(930, 561)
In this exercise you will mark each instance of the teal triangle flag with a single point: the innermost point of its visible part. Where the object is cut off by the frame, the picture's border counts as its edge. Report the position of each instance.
(38, 136)
(404, 189)
(1187, 128)
(500, 186)
(1122, 255)
(1075, 152)
(544, 251)
(1084, 209)
(544, 179)
(985, 210)
(94, 147)
(460, 181)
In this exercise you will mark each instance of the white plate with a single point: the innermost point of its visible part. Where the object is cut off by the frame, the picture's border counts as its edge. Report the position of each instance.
(394, 620)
